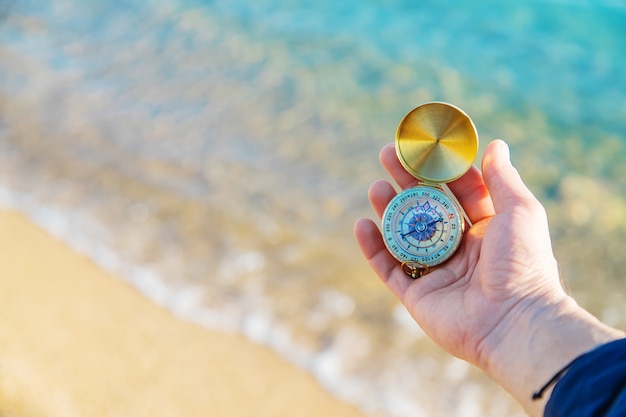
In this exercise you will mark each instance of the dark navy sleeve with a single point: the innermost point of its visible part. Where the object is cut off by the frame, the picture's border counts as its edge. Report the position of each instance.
(594, 385)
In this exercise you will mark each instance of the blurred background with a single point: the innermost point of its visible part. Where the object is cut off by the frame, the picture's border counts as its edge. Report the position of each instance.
(215, 154)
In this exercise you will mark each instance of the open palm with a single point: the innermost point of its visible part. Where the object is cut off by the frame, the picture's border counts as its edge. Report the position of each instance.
(504, 264)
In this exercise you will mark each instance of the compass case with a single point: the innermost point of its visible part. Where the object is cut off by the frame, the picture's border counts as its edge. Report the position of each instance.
(436, 142)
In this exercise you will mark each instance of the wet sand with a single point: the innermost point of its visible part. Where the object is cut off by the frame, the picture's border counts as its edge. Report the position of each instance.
(76, 341)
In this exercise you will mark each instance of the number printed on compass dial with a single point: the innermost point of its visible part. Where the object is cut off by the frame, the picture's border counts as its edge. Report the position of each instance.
(423, 225)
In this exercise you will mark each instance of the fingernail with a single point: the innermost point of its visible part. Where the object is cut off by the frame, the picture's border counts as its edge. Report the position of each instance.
(504, 151)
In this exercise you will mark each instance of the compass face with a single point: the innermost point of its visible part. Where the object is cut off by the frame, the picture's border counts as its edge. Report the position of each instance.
(422, 224)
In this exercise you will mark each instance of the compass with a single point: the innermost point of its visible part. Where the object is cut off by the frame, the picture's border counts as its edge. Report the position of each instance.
(423, 226)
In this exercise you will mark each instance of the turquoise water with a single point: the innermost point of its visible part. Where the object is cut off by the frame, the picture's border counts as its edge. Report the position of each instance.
(215, 154)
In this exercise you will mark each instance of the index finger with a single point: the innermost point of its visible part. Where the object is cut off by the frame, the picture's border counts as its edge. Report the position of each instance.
(470, 189)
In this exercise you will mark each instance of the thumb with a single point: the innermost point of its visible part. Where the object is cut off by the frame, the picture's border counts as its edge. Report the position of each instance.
(504, 183)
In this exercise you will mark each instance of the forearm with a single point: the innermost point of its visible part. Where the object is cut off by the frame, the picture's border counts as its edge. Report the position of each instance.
(538, 341)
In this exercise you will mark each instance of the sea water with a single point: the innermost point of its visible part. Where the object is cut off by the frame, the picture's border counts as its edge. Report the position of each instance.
(216, 154)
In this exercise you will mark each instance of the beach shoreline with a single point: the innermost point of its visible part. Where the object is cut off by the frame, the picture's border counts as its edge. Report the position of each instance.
(77, 341)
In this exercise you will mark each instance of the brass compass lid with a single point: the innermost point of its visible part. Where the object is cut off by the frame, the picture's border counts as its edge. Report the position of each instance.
(436, 142)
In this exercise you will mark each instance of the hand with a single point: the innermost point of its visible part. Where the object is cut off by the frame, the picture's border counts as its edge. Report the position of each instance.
(461, 303)
(484, 304)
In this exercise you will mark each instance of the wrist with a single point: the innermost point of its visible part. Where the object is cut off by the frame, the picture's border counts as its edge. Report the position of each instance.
(536, 340)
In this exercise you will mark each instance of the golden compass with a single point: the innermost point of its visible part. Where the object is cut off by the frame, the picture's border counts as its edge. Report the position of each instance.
(423, 226)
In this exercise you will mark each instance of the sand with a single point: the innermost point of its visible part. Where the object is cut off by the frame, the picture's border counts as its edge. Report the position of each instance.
(76, 341)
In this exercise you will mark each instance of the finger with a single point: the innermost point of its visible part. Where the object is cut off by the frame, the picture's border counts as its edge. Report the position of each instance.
(380, 194)
(380, 260)
(473, 195)
(470, 189)
(390, 162)
(505, 185)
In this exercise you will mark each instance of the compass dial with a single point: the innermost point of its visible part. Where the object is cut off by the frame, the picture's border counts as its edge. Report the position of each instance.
(422, 225)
